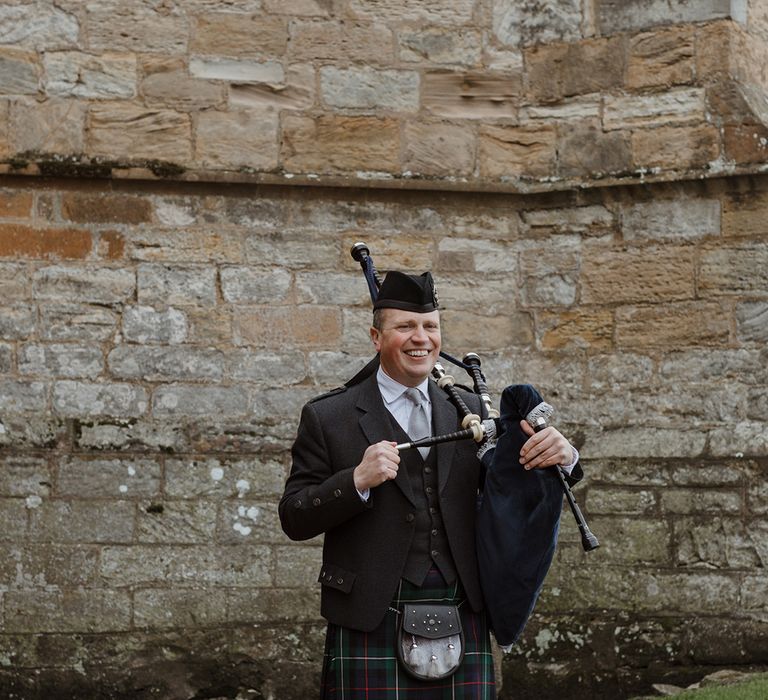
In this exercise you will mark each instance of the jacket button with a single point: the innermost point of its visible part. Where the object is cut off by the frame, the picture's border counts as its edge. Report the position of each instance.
(316, 502)
(428, 489)
(428, 470)
(297, 503)
(435, 554)
(434, 532)
(339, 581)
(410, 518)
(337, 493)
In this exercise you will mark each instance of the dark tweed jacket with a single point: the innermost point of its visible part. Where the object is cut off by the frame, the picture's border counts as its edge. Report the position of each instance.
(366, 544)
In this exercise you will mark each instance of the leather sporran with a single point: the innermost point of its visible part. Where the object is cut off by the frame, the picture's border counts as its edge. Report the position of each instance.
(430, 642)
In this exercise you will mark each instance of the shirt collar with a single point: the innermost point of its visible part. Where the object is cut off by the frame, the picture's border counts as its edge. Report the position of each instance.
(392, 390)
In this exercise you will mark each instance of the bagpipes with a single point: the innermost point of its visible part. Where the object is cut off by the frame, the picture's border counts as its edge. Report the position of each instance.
(518, 513)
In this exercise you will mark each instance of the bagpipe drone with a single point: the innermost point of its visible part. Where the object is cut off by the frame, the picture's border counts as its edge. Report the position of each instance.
(518, 513)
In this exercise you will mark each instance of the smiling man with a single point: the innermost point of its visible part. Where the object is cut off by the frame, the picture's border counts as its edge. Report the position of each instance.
(399, 526)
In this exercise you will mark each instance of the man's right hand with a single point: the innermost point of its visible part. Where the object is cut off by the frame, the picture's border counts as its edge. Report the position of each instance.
(380, 464)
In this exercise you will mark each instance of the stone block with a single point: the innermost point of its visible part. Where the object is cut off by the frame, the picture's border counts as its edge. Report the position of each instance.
(143, 435)
(16, 204)
(634, 541)
(17, 322)
(220, 479)
(745, 214)
(61, 360)
(540, 22)
(509, 152)
(273, 605)
(175, 89)
(80, 399)
(585, 150)
(25, 476)
(661, 58)
(738, 365)
(159, 609)
(295, 91)
(437, 12)
(302, 327)
(75, 74)
(472, 331)
(86, 522)
(86, 208)
(190, 244)
(631, 15)
(100, 285)
(494, 294)
(237, 139)
(676, 106)
(298, 8)
(249, 285)
(281, 368)
(19, 241)
(234, 566)
(369, 89)
(14, 282)
(616, 500)
(332, 143)
(132, 132)
(235, 70)
(435, 148)
(278, 406)
(743, 438)
(347, 41)
(591, 220)
(331, 368)
(249, 521)
(289, 250)
(471, 95)
(32, 431)
(686, 147)
(675, 325)
(439, 47)
(298, 565)
(113, 25)
(549, 270)
(752, 321)
(92, 610)
(239, 34)
(56, 126)
(146, 325)
(182, 363)
(591, 329)
(176, 522)
(722, 542)
(19, 72)
(567, 110)
(745, 143)
(468, 255)
(341, 288)
(78, 322)
(38, 27)
(682, 218)
(643, 443)
(22, 396)
(13, 523)
(735, 269)
(176, 284)
(6, 358)
(699, 501)
(48, 566)
(618, 371)
(611, 276)
(104, 478)
(189, 400)
(209, 326)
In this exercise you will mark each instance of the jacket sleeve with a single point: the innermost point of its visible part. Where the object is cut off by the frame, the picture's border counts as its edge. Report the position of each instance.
(319, 495)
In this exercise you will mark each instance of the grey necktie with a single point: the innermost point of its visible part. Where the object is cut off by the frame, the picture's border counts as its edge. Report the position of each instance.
(418, 424)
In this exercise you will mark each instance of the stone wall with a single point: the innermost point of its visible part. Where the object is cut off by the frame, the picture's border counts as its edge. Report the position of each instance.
(181, 184)
(480, 93)
(157, 342)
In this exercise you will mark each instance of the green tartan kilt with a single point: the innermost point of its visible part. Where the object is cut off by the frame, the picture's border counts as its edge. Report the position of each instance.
(364, 665)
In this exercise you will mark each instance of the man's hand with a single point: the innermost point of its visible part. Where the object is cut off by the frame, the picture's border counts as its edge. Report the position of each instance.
(380, 464)
(544, 449)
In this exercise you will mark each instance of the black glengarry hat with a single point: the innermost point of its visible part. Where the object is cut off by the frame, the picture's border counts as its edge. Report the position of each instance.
(408, 293)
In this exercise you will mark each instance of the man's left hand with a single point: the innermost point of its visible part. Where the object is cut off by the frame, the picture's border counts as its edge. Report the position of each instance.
(544, 449)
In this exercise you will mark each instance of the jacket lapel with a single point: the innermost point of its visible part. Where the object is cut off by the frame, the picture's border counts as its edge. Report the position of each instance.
(376, 426)
(444, 420)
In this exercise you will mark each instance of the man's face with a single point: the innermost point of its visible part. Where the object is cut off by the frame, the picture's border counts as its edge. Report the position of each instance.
(408, 344)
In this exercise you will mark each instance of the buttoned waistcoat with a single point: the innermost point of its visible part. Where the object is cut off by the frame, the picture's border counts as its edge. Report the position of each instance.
(366, 543)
